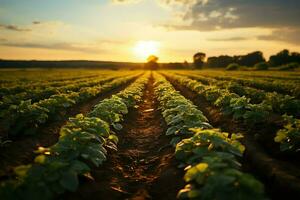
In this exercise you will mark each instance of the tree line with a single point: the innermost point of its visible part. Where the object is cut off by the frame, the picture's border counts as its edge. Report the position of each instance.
(256, 58)
(284, 60)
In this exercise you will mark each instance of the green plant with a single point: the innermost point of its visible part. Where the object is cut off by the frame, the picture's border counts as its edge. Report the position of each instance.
(26, 116)
(289, 136)
(213, 169)
(179, 113)
(214, 178)
(111, 110)
(209, 142)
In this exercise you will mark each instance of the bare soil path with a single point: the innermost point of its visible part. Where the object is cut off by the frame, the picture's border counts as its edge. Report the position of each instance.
(143, 167)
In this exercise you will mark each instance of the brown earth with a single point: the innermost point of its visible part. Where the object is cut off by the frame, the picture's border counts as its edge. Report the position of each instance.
(143, 167)
(21, 150)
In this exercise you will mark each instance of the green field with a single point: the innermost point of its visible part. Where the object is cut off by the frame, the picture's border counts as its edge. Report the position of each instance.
(165, 134)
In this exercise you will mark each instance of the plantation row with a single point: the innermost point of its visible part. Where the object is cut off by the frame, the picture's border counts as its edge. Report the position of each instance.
(38, 91)
(29, 116)
(12, 77)
(284, 87)
(271, 77)
(281, 104)
(21, 85)
(37, 94)
(209, 156)
(84, 142)
(240, 107)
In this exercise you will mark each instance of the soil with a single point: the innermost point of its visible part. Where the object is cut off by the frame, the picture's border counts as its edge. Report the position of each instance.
(21, 150)
(143, 167)
(281, 178)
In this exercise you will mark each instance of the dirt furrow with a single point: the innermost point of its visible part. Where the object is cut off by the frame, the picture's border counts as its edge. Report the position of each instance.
(144, 166)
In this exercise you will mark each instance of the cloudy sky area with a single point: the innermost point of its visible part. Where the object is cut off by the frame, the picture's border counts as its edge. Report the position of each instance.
(109, 29)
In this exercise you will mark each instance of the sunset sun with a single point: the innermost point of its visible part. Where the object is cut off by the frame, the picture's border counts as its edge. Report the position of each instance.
(143, 49)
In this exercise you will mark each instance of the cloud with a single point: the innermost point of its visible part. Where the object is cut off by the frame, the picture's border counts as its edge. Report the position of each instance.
(13, 28)
(285, 35)
(36, 22)
(209, 15)
(214, 15)
(54, 46)
(56, 35)
(228, 39)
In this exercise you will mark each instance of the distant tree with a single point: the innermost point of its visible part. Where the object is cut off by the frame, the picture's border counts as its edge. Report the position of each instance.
(295, 57)
(219, 62)
(173, 65)
(152, 63)
(250, 59)
(199, 60)
(186, 65)
(284, 57)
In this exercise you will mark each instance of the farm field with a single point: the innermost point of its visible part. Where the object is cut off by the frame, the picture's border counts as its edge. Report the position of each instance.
(141, 134)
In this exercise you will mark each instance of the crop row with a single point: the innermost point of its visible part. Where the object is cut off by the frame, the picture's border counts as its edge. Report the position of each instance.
(83, 143)
(19, 86)
(209, 156)
(270, 78)
(286, 87)
(241, 109)
(37, 94)
(281, 104)
(44, 89)
(26, 117)
(37, 77)
(45, 82)
(259, 75)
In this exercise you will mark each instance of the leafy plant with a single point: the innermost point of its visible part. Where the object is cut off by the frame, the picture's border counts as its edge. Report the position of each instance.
(214, 178)
(208, 142)
(289, 136)
(111, 110)
(26, 116)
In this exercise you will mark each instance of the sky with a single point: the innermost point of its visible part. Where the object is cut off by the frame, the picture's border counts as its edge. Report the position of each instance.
(115, 30)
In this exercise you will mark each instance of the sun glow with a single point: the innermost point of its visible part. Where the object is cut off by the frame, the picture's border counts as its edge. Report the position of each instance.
(143, 49)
